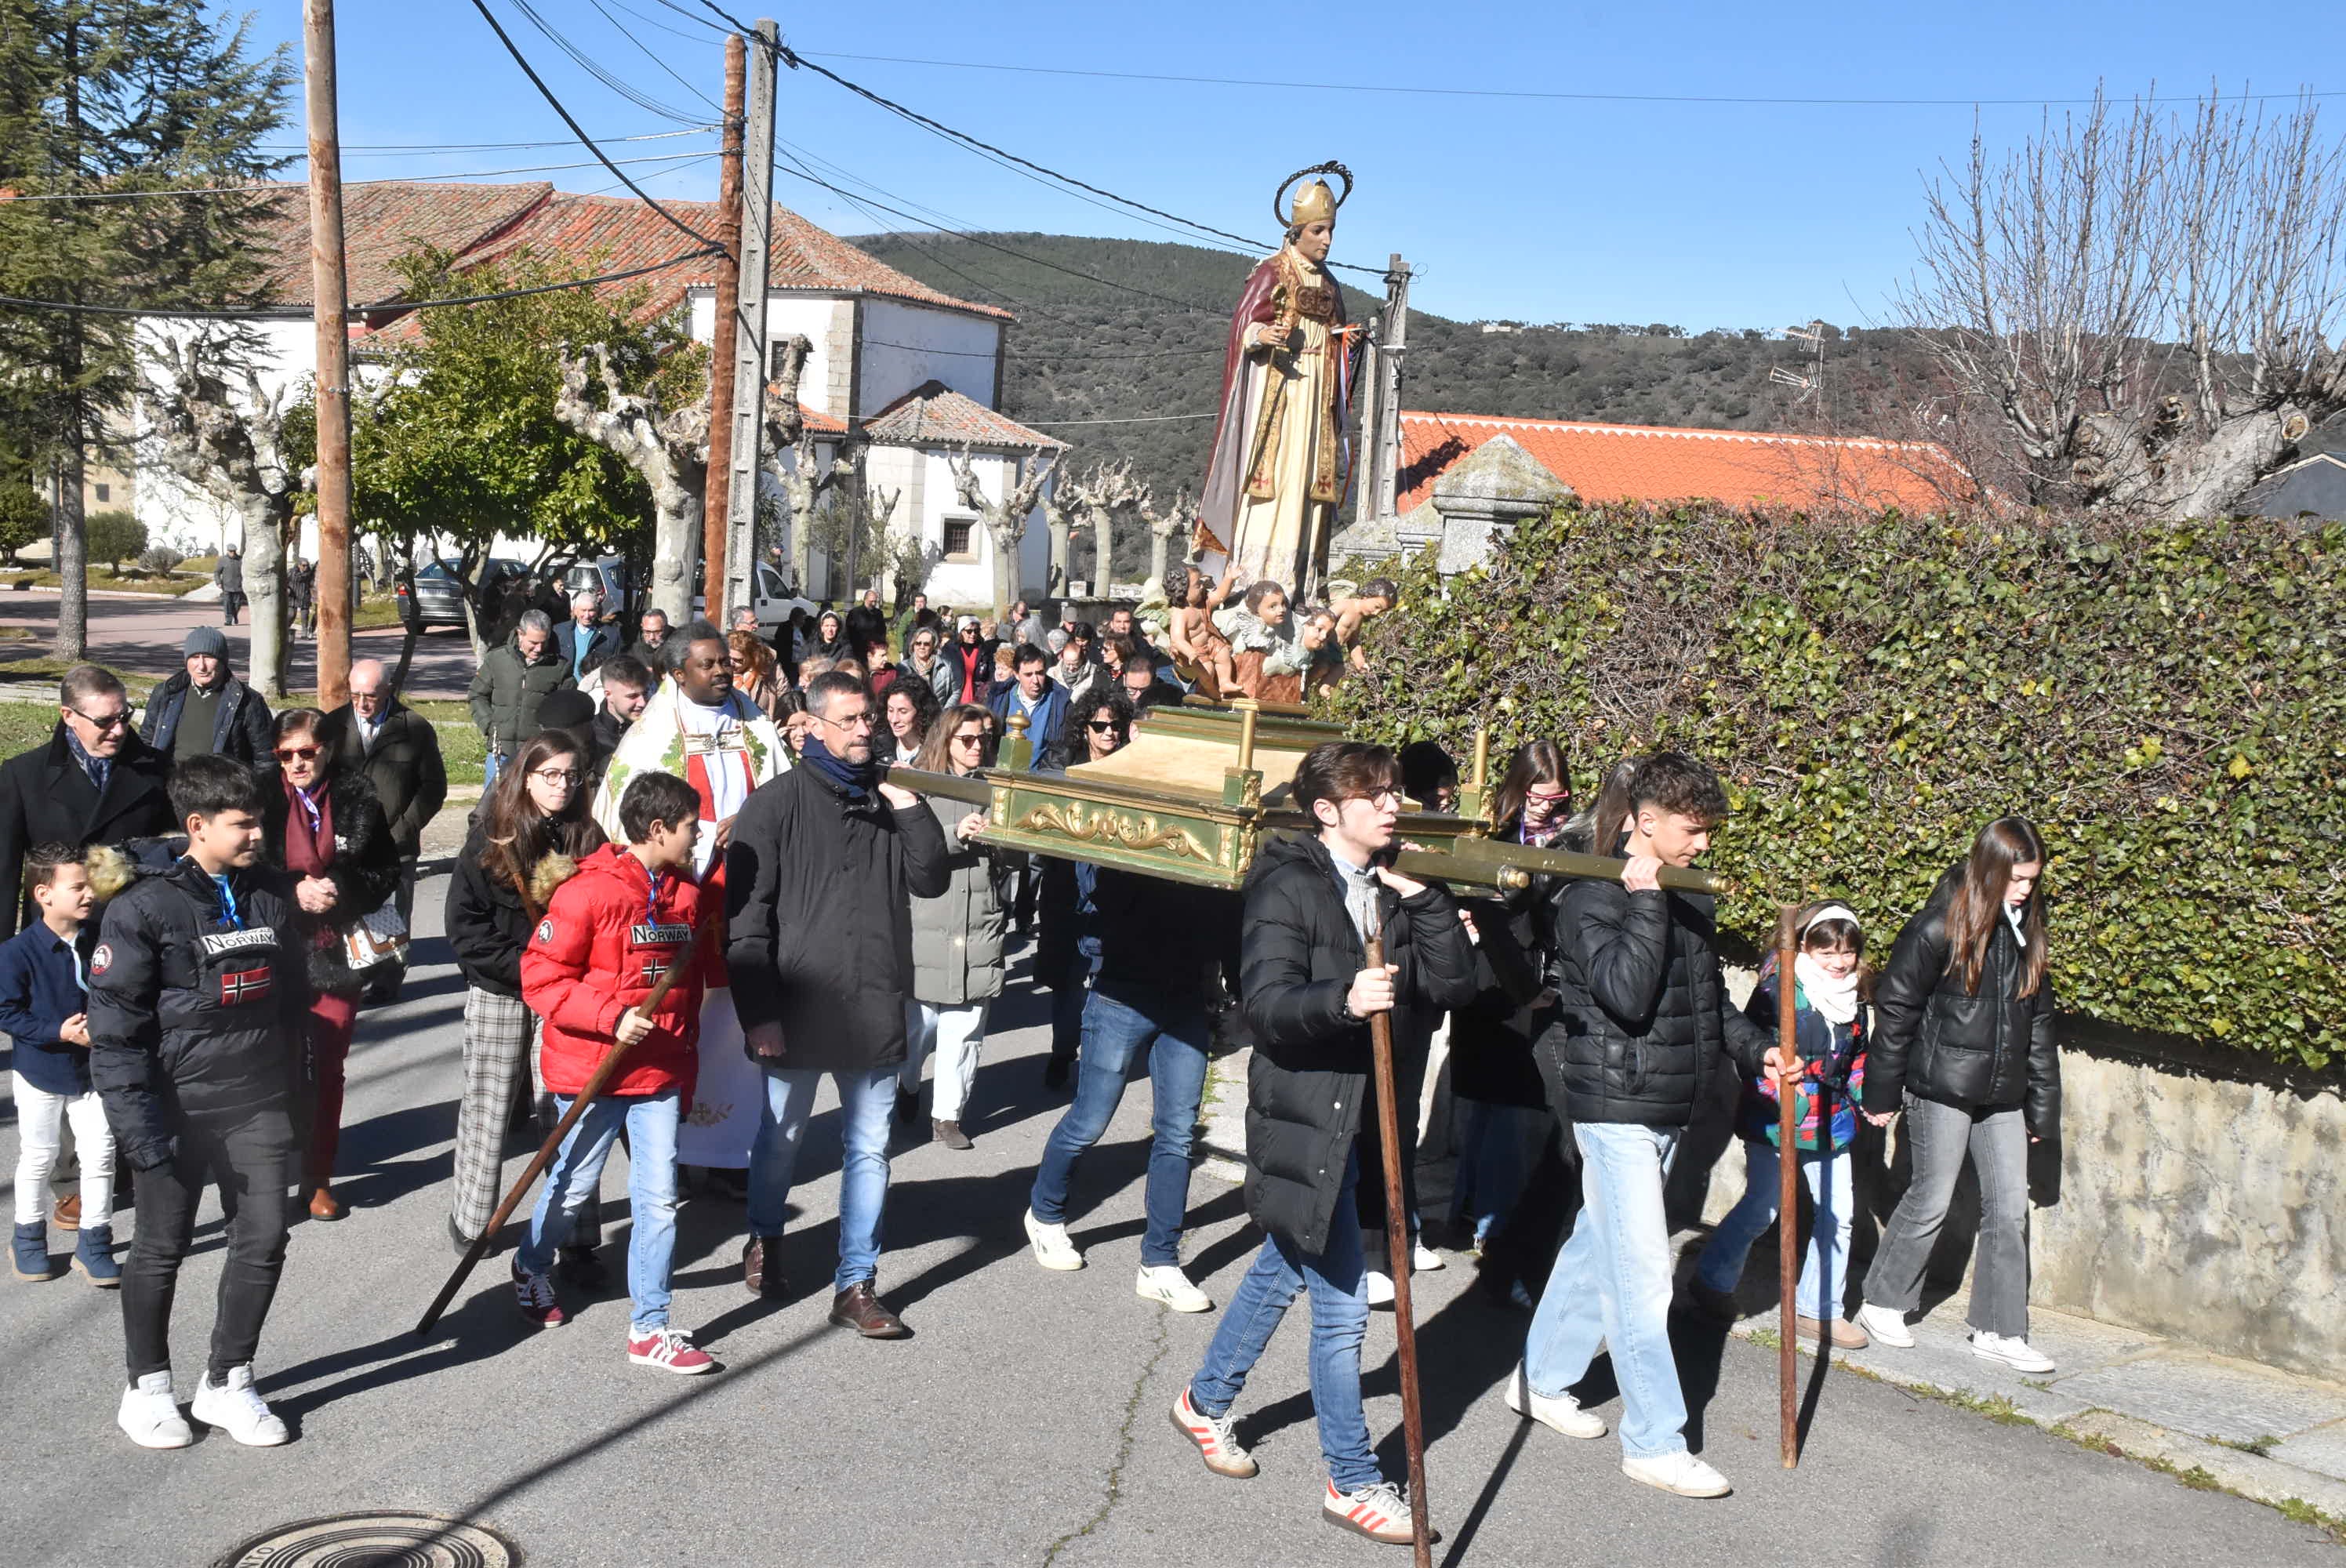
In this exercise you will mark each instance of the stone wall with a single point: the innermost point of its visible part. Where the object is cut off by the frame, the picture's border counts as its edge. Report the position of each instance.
(2193, 1194)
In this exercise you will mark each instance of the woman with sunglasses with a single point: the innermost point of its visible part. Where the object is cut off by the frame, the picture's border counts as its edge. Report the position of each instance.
(534, 813)
(1097, 725)
(957, 963)
(755, 670)
(325, 828)
(908, 718)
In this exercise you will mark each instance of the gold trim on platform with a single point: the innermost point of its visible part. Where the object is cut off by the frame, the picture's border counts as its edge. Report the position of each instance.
(1147, 833)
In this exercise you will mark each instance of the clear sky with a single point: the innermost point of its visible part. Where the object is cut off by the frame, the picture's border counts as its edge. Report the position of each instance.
(1542, 209)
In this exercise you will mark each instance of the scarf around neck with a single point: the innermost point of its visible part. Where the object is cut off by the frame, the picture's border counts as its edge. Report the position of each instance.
(853, 780)
(1835, 1001)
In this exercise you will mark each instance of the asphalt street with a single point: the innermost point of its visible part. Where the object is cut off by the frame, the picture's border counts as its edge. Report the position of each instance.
(142, 633)
(1026, 1423)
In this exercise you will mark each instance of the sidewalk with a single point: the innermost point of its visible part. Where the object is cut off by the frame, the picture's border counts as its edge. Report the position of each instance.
(2212, 1421)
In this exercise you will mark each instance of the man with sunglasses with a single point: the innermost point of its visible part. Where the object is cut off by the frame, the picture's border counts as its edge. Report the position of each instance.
(93, 782)
(819, 877)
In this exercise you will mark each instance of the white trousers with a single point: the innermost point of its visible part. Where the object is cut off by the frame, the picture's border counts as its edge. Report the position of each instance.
(41, 1119)
(957, 1033)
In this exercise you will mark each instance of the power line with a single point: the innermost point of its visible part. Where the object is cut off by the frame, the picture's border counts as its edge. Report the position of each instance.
(670, 29)
(1139, 418)
(403, 150)
(66, 307)
(1510, 92)
(650, 55)
(579, 131)
(682, 158)
(595, 68)
(1081, 354)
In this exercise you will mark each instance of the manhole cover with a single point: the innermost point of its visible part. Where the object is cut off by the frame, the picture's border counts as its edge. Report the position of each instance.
(375, 1541)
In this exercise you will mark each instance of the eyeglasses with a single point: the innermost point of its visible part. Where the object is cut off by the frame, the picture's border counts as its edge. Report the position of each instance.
(852, 721)
(556, 776)
(1380, 797)
(298, 753)
(103, 722)
(1547, 797)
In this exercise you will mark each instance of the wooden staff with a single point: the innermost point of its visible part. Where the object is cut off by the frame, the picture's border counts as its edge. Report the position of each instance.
(1397, 1259)
(1788, 1202)
(669, 977)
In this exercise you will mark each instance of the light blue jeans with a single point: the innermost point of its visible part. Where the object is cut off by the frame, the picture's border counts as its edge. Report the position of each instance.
(651, 1123)
(864, 1101)
(1337, 1283)
(1825, 1270)
(1611, 1283)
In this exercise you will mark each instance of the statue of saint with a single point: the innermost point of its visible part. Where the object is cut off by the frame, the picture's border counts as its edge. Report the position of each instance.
(1278, 465)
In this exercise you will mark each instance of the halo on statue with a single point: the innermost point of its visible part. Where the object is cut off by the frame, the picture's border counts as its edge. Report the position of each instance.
(1279, 198)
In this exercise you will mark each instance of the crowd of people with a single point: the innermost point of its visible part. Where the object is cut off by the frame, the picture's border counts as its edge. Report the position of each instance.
(689, 858)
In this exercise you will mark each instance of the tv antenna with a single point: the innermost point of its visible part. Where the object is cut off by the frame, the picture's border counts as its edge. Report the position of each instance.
(1813, 334)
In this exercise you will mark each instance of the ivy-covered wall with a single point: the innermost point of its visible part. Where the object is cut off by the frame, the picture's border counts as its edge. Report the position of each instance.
(2165, 701)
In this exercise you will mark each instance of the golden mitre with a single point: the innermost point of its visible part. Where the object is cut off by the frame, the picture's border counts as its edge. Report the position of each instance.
(1315, 203)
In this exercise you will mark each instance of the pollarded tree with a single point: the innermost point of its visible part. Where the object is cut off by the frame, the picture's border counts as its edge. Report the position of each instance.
(1101, 496)
(1005, 519)
(2150, 300)
(1167, 526)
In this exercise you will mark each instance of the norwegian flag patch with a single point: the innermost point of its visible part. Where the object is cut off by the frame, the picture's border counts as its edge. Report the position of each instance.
(243, 987)
(101, 958)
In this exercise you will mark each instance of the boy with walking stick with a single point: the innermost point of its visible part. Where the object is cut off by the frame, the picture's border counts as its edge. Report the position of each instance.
(1642, 1019)
(619, 1030)
(1311, 906)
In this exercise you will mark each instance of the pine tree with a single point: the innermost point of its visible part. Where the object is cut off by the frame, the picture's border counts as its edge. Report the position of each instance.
(114, 98)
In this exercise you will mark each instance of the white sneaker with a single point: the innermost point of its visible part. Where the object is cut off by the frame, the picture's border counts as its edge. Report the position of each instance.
(151, 1416)
(1680, 1472)
(236, 1408)
(1562, 1413)
(1051, 1247)
(1379, 1287)
(1423, 1260)
(1165, 1283)
(1885, 1326)
(2016, 1353)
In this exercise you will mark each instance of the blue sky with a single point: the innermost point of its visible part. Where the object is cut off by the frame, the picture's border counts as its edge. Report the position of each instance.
(1705, 214)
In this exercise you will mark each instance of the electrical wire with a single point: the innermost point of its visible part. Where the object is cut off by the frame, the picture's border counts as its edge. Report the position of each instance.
(579, 131)
(595, 68)
(653, 56)
(1046, 359)
(1137, 419)
(409, 149)
(201, 314)
(1511, 92)
(670, 29)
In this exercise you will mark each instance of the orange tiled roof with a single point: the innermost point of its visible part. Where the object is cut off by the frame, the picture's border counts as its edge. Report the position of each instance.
(1661, 463)
(382, 221)
(932, 414)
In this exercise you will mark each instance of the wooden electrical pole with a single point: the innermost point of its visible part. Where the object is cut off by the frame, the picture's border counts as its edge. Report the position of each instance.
(1392, 344)
(716, 495)
(329, 289)
(752, 229)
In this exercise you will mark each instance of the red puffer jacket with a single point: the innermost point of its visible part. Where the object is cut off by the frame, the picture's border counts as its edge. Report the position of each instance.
(604, 939)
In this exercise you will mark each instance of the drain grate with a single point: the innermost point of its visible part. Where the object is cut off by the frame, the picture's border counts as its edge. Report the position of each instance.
(375, 1541)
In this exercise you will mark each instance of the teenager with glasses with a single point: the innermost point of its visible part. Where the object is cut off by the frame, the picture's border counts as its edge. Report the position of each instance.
(94, 781)
(325, 829)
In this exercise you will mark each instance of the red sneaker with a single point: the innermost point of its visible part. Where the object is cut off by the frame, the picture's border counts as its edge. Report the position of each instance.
(533, 1294)
(670, 1349)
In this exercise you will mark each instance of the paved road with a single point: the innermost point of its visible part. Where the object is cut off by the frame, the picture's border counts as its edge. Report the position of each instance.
(142, 632)
(1025, 1424)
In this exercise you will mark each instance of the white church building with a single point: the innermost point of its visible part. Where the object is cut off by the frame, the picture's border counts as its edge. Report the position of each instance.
(918, 369)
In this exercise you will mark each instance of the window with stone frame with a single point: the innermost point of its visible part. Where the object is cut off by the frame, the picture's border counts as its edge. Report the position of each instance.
(961, 539)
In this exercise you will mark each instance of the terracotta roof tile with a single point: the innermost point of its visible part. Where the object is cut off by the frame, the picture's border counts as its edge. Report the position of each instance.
(383, 221)
(1661, 463)
(932, 414)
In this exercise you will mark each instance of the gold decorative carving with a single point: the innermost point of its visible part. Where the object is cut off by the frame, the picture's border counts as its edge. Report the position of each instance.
(1144, 833)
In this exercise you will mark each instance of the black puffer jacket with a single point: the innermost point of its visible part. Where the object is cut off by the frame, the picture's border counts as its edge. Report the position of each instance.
(1491, 1038)
(1310, 1074)
(364, 871)
(1642, 1012)
(1938, 1042)
(818, 893)
(192, 1015)
(484, 918)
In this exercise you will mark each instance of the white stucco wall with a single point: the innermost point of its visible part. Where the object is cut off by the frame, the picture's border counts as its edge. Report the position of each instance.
(183, 515)
(822, 320)
(930, 502)
(935, 345)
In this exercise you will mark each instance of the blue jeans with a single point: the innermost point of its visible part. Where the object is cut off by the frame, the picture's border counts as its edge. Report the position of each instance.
(864, 1100)
(1496, 1148)
(1173, 1032)
(1336, 1282)
(651, 1122)
(1825, 1270)
(1612, 1282)
(489, 766)
(1069, 992)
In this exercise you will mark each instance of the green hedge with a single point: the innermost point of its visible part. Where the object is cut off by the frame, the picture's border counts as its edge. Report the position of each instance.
(2165, 701)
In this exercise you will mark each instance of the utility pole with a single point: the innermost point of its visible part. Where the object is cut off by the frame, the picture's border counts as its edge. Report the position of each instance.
(1384, 439)
(327, 288)
(753, 231)
(715, 503)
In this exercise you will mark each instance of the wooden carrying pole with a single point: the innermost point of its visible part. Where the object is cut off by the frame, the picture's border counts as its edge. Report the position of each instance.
(1788, 1202)
(612, 1058)
(1397, 1259)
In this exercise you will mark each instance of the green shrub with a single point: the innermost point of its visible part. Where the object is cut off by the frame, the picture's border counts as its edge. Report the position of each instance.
(2164, 701)
(114, 537)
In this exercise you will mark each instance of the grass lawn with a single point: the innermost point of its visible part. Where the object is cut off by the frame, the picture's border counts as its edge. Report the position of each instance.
(169, 588)
(43, 667)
